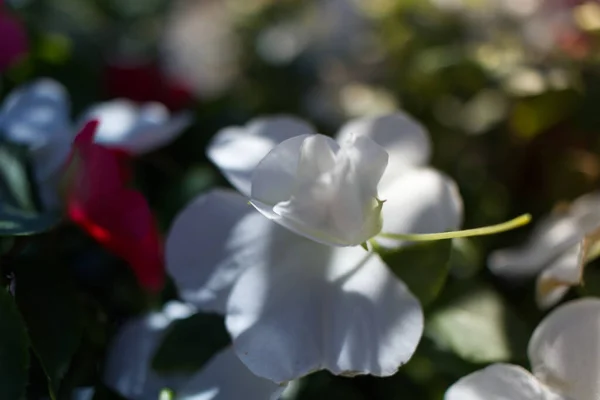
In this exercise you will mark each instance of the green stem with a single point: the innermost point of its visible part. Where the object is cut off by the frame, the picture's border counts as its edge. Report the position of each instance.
(487, 230)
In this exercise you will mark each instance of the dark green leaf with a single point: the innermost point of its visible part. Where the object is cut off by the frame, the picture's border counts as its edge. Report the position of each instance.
(102, 392)
(323, 385)
(49, 304)
(14, 352)
(422, 266)
(465, 258)
(190, 343)
(14, 222)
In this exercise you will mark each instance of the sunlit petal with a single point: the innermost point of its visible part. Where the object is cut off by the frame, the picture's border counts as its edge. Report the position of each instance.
(420, 201)
(550, 238)
(564, 350)
(238, 150)
(309, 307)
(136, 129)
(405, 140)
(500, 382)
(558, 276)
(211, 242)
(321, 189)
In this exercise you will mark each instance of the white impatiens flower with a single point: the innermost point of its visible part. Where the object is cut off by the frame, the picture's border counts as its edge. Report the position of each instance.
(310, 297)
(321, 189)
(38, 115)
(128, 368)
(564, 352)
(136, 129)
(557, 250)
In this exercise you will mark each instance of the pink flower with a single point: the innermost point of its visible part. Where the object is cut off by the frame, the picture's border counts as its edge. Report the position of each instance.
(14, 39)
(119, 218)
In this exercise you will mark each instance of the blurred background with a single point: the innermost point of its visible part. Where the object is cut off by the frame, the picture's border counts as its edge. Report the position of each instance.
(508, 89)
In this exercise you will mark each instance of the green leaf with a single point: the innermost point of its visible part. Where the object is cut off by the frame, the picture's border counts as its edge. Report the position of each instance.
(478, 326)
(533, 115)
(422, 266)
(190, 343)
(465, 259)
(50, 306)
(14, 222)
(16, 175)
(14, 350)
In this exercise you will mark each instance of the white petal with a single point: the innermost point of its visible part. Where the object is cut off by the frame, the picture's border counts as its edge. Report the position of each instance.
(565, 349)
(500, 382)
(117, 118)
(210, 243)
(562, 273)
(238, 150)
(136, 129)
(225, 377)
(128, 364)
(586, 211)
(274, 177)
(551, 237)
(405, 140)
(420, 201)
(329, 195)
(157, 127)
(37, 115)
(310, 307)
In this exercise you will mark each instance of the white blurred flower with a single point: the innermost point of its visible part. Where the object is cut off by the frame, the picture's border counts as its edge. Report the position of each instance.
(37, 115)
(563, 351)
(128, 368)
(294, 305)
(556, 251)
(136, 128)
(201, 47)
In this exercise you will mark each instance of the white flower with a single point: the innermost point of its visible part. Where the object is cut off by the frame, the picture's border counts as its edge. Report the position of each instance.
(556, 251)
(564, 352)
(321, 189)
(136, 129)
(128, 367)
(294, 305)
(37, 115)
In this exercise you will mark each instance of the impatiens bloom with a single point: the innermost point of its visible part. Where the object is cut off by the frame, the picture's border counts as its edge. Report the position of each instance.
(99, 201)
(310, 297)
(321, 189)
(136, 129)
(556, 251)
(14, 41)
(37, 115)
(563, 351)
(128, 368)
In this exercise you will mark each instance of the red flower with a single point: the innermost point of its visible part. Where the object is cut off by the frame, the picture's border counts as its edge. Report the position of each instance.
(99, 201)
(13, 42)
(145, 82)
